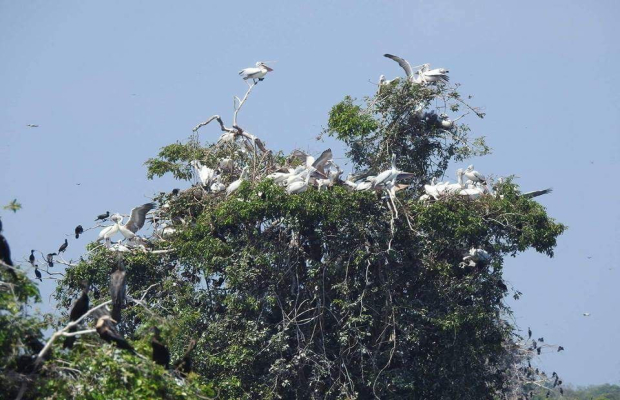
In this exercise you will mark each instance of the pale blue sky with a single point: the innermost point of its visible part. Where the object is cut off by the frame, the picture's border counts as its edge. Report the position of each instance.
(111, 82)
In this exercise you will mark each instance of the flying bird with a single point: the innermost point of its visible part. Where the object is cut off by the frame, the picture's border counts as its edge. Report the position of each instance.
(560, 348)
(118, 288)
(586, 314)
(103, 217)
(536, 193)
(161, 354)
(255, 73)
(32, 126)
(63, 247)
(80, 307)
(78, 231)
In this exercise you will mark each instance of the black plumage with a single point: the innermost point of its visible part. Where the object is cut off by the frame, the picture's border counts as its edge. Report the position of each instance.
(560, 348)
(80, 307)
(106, 328)
(63, 246)
(5, 255)
(32, 258)
(103, 217)
(118, 287)
(161, 354)
(78, 231)
(37, 273)
(184, 364)
(538, 350)
(529, 333)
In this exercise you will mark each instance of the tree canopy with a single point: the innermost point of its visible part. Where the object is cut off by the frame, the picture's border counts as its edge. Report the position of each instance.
(329, 293)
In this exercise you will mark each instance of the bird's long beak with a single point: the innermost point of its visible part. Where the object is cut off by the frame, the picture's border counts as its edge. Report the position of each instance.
(268, 69)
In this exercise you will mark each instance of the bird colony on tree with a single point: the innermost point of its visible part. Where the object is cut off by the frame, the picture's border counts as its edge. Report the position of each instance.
(288, 281)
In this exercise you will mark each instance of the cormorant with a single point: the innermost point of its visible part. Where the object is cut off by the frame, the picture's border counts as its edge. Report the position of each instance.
(31, 258)
(37, 273)
(78, 231)
(184, 364)
(529, 333)
(50, 259)
(103, 217)
(63, 247)
(118, 287)
(5, 255)
(107, 331)
(80, 307)
(161, 354)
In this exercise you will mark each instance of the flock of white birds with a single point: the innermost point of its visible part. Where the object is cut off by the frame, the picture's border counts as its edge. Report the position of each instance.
(321, 172)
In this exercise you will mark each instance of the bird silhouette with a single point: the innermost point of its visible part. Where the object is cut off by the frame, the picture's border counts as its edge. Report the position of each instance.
(78, 231)
(161, 354)
(103, 217)
(63, 247)
(80, 307)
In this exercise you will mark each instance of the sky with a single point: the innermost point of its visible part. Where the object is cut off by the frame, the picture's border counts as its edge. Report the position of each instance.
(110, 83)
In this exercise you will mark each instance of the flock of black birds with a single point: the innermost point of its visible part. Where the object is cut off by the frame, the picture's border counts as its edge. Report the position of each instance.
(106, 321)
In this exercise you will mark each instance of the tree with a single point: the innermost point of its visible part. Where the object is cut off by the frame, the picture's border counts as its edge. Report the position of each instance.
(327, 293)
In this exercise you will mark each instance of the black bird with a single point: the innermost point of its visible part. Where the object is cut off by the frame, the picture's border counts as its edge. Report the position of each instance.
(538, 350)
(63, 246)
(548, 394)
(37, 273)
(184, 364)
(107, 331)
(562, 391)
(161, 354)
(560, 348)
(31, 258)
(103, 217)
(529, 333)
(5, 255)
(534, 344)
(80, 307)
(175, 191)
(78, 231)
(542, 340)
(50, 259)
(118, 287)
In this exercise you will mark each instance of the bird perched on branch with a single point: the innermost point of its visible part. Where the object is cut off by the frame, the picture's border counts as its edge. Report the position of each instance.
(135, 223)
(184, 364)
(78, 231)
(80, 307)
(31, 258)
(106, 328)
(50, 259)
(161, 354)
(63, 247)
(37, 273)
(255, 73)
(103, 217)
(118, 288)
(425, 74)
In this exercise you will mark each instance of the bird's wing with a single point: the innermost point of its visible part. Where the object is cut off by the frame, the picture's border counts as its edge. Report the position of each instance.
(437, 74)
(299, 155)
(405, 175)
(537, 193)
(138, 216)
(319, 163)
(249, 71)
(402, 62)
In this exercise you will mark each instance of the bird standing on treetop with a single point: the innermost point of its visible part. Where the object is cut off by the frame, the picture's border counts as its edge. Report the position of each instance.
(78, 231)
(135, 223)
(37, 273)
(161, 354)
(63, 247)
(31, 258)
(118, 287)
(255, 73)
(473, 175)
(50, 259)
(390, 174)
(80, 307)
(103, 217)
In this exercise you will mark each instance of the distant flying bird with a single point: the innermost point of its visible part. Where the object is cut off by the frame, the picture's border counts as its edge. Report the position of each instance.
(106, 329)
(50, 259)
(80, 307)
(32, 125)
(161, 354)
(32, 258)
(63, 247)
(37, 273)
(118, 288)
(536, 193)
(78, 231)
(560, 348)
(103, 217)
(184, 364)
(586, 314)
(255, 73)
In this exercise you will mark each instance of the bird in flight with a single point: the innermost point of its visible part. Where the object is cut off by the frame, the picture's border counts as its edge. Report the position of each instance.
(32, 126)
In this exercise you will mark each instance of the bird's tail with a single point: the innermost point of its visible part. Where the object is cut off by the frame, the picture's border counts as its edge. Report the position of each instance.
(77, 235)
(69, 340)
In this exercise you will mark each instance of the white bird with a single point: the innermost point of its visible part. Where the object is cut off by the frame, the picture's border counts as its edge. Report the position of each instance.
(298, 186)
(226, 164)
(135, 223)
(427, 75)
(386, 82)
(235, 185)
(431, 190)
(404, 64)
(255, 73)
(453, 188)
(586, 314)
(120, 248)
(391, 174)
(205, 173)
(472, 191)
(474, 175)
(476, 256)
(217, 186)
